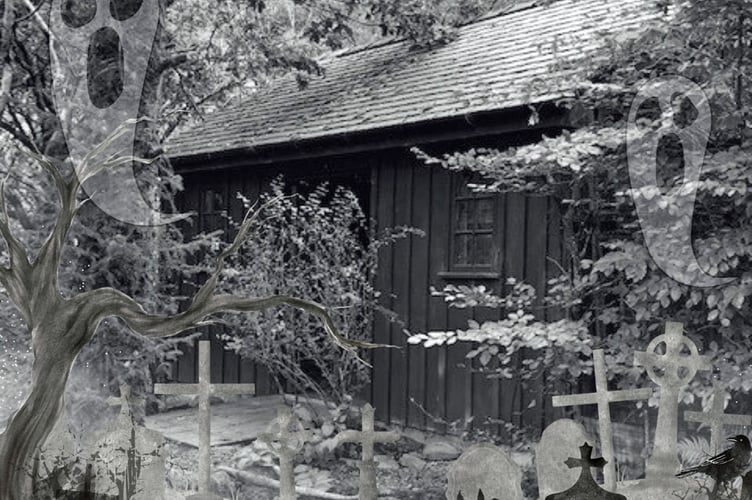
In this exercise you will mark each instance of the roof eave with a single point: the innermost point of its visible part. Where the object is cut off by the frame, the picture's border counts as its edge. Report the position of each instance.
(458, 127)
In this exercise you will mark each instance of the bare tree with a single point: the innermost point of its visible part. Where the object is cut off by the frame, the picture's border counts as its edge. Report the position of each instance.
(60, 327)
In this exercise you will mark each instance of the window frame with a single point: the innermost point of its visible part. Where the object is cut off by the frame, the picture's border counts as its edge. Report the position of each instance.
(461, 194)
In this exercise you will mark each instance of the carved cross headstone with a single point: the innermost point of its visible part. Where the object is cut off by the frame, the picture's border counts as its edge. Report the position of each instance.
(286, 437)
(716, 418)
(586, 488)
(486, 469)
(205, 389)
(671, 371)
(603, 398)
(554, 447)
(129, 458)
(367, 437)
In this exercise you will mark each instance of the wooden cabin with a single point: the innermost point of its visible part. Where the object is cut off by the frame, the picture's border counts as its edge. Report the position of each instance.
(355, 126)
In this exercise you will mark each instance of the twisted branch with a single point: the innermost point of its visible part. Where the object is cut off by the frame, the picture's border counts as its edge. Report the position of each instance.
(106, 302)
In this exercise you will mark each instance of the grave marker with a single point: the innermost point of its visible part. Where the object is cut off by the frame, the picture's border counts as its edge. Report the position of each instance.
(670, 371)
(603, 398)
(551, 453)
(716, 418)
(128, 459)
(586, 488)
(368, 437)
(484, 468)
(205, 389)
(286, 443)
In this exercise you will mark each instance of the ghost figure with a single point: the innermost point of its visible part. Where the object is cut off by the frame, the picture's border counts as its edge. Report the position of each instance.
(100, 50)
(666, 219)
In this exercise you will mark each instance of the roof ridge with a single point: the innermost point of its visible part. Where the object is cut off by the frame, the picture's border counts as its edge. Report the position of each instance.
(493, 14)
(498, 63)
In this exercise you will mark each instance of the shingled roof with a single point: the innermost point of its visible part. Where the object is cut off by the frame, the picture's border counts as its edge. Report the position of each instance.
(497, 63)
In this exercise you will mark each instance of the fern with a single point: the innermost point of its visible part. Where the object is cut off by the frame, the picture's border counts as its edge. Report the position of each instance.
(693, 450)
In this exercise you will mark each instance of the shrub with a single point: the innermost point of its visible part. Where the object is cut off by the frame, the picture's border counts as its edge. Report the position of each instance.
(320, 247)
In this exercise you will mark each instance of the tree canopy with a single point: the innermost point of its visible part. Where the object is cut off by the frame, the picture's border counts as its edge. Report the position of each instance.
(611, 287)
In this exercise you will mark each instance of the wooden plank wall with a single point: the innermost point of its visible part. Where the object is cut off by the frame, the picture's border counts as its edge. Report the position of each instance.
(227, 366)
(424, 388)
(433, 387)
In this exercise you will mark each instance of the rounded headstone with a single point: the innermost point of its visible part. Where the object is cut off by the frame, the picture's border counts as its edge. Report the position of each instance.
(485, 468)
(559, 441)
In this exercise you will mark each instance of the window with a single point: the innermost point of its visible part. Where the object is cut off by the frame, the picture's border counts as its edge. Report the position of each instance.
(213, 209)
(474, 245)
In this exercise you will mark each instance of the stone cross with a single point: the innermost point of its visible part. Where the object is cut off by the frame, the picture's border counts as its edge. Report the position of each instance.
(585, 487)
(603, 398)
(671, 371)
(204, 388)
(368, 437)
(286, 436)
(716, 418)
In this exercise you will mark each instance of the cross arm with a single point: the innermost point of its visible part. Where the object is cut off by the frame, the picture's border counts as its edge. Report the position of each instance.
(233, 389)
(174, 389)
(589, 398)
(348, 436)
(388, 437)
(725, 418)
(629, 395)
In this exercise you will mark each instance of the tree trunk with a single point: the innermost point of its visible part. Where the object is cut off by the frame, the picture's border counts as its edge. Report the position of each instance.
(54, 354)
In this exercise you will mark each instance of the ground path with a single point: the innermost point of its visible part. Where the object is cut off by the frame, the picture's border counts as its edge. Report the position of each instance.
(237, 421)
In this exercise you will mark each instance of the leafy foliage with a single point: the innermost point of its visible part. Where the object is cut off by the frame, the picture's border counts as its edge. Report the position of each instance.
(320, 247)
(611, 287)
(560, 348)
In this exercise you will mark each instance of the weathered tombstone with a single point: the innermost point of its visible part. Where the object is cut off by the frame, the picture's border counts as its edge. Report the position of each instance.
(286, 437)
(552, 452)
(128, 458)
(53, 466)
(484, 468)
(671, 371)
(586, 488)
(368, 437)
(716, 418)
(204, 389)
(603, 398)
(60, 446)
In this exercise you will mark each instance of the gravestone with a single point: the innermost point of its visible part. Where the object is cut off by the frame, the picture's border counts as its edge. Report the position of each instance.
(55, 466)
(603, 398)
(586, 488)
(204, 389)
(367, 437)
(128, 459)
(556, 443)
(59, 447)
(285, 437)
(484, 468)
(671, 370)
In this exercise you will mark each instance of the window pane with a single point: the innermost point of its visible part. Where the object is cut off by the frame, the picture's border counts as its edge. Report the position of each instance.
(463, 219)
(484, 210)
(483, 250)
(461, 255)
(213, 202)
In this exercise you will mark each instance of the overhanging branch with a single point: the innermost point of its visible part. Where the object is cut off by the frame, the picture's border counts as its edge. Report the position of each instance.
(105, 302)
